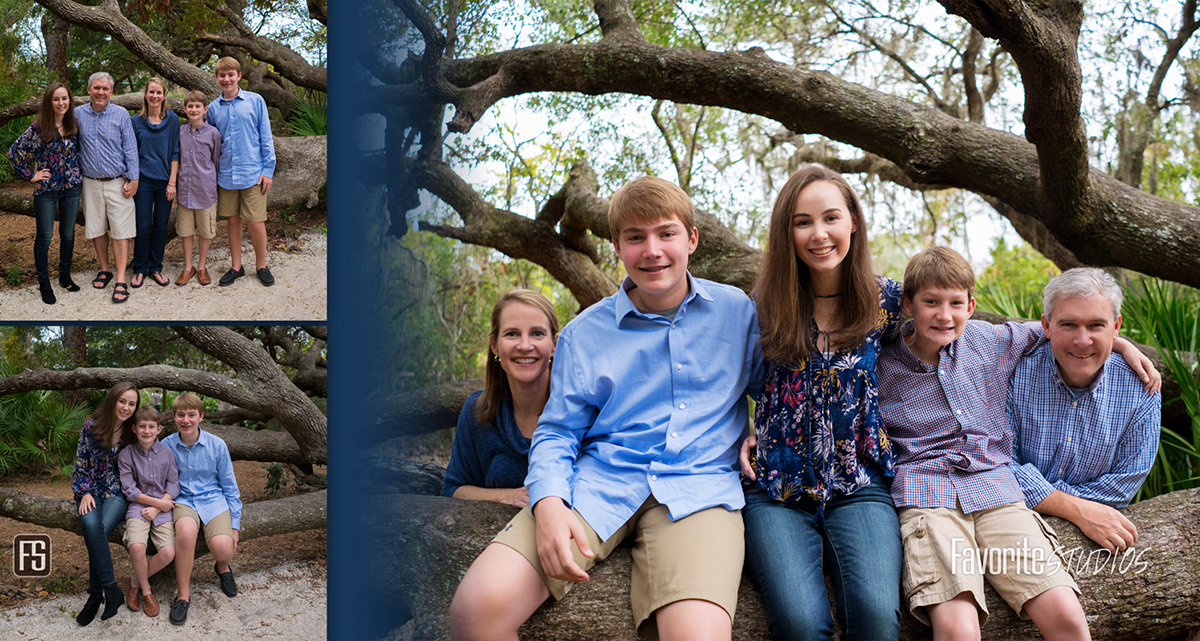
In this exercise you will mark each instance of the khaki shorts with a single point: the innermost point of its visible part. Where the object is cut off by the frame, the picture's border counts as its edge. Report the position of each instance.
(947, 553)
(220, 524)
(697, 557)
(192, 221)
(141, 530)
(249, 203)
(106, 211)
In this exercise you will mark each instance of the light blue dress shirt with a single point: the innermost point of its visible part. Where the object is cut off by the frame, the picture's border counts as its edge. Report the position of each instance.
(642, 404)
(206, 481)
(247, 148)
(107, 145)
(1098, 444)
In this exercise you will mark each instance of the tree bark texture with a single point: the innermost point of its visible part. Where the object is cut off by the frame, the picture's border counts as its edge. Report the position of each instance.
(424, 544)
(263, 518)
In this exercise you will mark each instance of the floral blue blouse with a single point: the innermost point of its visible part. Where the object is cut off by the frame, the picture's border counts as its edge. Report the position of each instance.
(60, 156)
(96, 470)
(818, 424)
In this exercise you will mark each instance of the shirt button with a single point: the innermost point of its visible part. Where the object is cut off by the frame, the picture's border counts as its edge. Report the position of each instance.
(958, 411)
(1068, 439)
(678, 365)
(674, 434)
(653, 477)
(1075, 404)
(681, 406)
(672, 325)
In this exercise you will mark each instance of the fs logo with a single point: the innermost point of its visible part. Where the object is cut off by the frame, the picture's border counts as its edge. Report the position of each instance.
(31, 555)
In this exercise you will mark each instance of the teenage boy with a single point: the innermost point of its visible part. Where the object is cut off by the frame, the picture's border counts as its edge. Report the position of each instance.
(109, 156)
(199, 157)
(640, 437)
(208, 499)
(1086, 430)
(246, 167)
(150, 482)
(941, 392)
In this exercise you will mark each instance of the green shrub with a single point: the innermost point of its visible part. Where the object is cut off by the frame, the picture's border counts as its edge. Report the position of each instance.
(1012, 285)
(310, 117)
(38, 433)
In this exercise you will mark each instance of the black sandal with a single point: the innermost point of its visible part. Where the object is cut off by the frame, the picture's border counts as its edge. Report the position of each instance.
(102, 278)
(141, 278)
(155, 276)
(121, 290)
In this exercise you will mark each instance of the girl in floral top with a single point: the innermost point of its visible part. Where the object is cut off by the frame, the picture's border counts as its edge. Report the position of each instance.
(47, 155)
(97, 487)
(820, 459)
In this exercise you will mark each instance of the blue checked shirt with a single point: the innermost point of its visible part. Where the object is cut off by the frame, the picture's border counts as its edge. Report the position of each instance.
(642, 404)
(247, 148)
(206, 481)
(107, 146)
(948, 425)
(1097, 445)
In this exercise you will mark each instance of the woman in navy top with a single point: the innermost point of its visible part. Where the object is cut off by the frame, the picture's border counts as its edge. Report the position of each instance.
(157, 133)
(490, 455)
(819, 502)
(47, 153)
(96, 485)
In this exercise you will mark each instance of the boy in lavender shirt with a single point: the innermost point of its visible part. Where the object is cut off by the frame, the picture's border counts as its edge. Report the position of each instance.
(150, 481)
(199, 157)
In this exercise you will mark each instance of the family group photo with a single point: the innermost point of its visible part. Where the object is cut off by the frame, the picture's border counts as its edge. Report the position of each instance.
(179, 485)
(175, 153)
(781, 320)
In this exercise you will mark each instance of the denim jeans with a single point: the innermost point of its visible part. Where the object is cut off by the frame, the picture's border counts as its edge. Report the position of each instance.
(153, 213)
(97, 525)
(64, 203)
(858, 546)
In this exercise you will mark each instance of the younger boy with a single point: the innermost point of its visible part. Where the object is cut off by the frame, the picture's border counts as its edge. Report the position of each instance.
(199, 157)
(942, 392)
(208, 499)
(246, 167)
(640, 437)
(149, 480)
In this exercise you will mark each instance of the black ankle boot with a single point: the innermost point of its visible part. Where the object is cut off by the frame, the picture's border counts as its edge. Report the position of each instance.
(64, 279)
(89, 610)
(47, 292)
(113, 598)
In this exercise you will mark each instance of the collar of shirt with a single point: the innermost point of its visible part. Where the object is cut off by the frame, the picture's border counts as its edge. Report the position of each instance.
(1096, 389)
(624, 306)
(227, 101)
(200, 440)
(910, 359)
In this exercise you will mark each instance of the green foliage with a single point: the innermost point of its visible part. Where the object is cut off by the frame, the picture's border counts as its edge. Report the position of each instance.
(1167, 316)
(12, 275)
(38, 432)
(9, 133)
(310, 118)
(275, 478)
(1012, 285)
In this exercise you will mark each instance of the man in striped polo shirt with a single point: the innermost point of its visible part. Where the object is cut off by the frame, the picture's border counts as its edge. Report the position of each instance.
(109, 155)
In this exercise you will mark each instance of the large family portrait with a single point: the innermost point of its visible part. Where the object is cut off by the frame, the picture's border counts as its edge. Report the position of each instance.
(783, 320)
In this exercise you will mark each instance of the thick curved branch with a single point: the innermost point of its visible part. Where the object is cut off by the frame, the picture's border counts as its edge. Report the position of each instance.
(286, 61)
(617, 21)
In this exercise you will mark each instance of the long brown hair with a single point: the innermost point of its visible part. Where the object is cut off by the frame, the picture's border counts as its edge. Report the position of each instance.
(146, 103)
(45, 118)
(784, 289)
(495, 381)
(104, 419)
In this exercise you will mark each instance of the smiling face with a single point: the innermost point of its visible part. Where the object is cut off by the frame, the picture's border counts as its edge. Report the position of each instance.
(940, 315)
(524, 345)
(127, 404)
(655, 255)
(228, 79)
(195, 112)
(821, 229)
(155, 94)
(1081, 333)
(100, 91)
(187, 421)
(60, 101)
(147, 432)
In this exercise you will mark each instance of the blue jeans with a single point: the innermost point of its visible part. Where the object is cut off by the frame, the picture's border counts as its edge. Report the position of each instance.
(858, 547)
(97, 525)
(153, 213)
(65, 203)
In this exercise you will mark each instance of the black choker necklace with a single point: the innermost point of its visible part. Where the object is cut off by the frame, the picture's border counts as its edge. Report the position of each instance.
(828, 296)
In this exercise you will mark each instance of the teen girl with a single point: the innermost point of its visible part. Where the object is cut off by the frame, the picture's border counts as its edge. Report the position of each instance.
(819, 502)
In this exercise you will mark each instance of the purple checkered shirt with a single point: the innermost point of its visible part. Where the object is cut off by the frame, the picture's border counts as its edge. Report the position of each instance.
(948, 424)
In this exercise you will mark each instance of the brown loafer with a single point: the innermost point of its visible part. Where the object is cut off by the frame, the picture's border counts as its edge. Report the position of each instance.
(131, 595)
(185, 276)
(204, 278)
(150, 604)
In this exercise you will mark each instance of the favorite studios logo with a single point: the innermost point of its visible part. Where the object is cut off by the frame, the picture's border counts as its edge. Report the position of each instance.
(31, 555)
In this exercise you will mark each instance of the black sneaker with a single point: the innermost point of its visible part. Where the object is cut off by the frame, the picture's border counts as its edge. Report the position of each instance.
(265, 276)
(228, 585)
(90, 609)
(232, 275)
(179, 612)
(114, 598)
